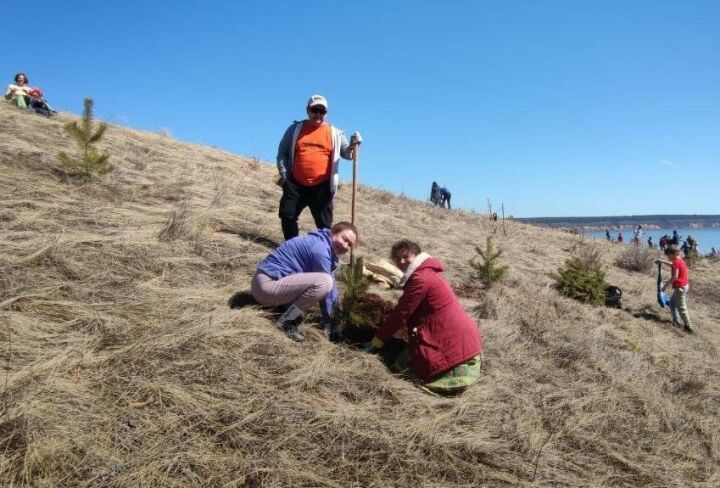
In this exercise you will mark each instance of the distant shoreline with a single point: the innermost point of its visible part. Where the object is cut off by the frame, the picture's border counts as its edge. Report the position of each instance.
(627, 222)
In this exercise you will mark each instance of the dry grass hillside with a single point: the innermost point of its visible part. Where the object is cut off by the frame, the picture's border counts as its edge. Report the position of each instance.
(124, 366)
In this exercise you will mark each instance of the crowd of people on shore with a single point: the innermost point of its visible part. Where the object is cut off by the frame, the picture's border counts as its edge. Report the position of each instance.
(689, 245)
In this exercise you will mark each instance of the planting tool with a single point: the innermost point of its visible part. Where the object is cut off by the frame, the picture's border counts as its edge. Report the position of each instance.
(662, 297)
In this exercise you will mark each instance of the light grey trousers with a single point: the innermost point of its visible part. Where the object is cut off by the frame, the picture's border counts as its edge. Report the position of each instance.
(679, 308)
(302, 289)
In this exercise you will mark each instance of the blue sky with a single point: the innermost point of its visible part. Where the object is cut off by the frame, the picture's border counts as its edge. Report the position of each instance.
(553, 108)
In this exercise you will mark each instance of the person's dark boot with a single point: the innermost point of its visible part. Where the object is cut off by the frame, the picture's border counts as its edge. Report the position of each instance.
(688, 330)
(289, 322)
(333, 331)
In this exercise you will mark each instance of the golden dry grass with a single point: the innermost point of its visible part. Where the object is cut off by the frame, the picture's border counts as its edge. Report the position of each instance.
(124, 366)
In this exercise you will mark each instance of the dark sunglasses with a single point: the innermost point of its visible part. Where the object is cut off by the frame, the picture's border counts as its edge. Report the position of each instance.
(318, 110)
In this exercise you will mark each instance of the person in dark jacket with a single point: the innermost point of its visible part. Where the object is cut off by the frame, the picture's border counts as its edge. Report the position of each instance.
(435, 195)
(300, 274)
(445, 200)
(445, 345)
(440, 196)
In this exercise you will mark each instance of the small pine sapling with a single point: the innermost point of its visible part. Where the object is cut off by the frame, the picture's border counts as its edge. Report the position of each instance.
(360, 313)
(354, 284)
(486, 264)
(86, 135)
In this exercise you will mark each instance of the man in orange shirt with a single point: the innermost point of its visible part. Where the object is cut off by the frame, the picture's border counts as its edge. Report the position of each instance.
(307, 160)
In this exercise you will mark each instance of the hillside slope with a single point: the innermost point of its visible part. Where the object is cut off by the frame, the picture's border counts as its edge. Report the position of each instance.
(124, 366)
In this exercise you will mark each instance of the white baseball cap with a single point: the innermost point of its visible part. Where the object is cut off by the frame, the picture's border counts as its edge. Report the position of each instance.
(317, 100)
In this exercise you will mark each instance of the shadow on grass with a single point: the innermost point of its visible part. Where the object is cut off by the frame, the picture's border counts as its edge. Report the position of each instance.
(242, 299)
(251, 236)
(650, 314)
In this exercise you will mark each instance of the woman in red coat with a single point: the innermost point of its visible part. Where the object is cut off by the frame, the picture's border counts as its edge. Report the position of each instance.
(445, 344)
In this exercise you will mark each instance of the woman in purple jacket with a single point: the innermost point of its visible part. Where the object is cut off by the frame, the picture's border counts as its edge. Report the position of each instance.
(301, 273)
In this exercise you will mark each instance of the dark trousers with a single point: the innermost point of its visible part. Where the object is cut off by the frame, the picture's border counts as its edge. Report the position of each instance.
(294, 200)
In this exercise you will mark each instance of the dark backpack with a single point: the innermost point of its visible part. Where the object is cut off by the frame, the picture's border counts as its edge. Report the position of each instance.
(613, 296)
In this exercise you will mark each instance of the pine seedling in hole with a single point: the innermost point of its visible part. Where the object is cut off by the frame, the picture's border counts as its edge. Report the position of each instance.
(354, 284)
(488, 271)
(86, 135)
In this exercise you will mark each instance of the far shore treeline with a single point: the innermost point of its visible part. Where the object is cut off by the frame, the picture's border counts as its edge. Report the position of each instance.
(628, 221)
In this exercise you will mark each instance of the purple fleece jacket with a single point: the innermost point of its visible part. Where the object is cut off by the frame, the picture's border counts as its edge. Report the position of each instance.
(311, 253)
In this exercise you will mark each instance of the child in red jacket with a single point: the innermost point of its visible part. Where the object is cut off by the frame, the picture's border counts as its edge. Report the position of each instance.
(680, 280)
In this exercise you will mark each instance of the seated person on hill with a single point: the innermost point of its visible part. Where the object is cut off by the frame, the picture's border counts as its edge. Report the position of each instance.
(26, 97)
(445, 345)
(19, 91)
(300, 274)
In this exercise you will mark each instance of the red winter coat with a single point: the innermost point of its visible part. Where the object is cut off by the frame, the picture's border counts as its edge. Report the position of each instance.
(442, 335)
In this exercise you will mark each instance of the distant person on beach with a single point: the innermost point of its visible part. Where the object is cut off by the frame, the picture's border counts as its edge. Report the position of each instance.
(675, 239)
(713, 252)
(650, 242)
(685, 248)
(445, 345)
(692, 244)
(663, 242)
(680, 281)
(308, 161)
(620, 237)
(607, 235)
(638, 234)
(22, 95)
(301, 273)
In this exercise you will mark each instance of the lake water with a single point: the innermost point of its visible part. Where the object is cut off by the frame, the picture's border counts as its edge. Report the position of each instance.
(706, 238)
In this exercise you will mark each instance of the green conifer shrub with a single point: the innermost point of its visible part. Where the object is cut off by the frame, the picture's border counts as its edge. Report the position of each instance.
(353, 284)
(360, 312)
(585, 283)
(85, 133)
(487, 270)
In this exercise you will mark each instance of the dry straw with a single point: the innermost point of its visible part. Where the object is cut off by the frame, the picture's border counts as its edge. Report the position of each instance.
(123, 365)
